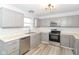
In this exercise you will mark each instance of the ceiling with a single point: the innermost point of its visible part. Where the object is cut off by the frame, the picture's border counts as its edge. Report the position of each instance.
(39, 10)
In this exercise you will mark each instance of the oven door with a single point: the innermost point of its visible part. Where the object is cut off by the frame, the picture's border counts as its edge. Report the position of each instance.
(55, 38)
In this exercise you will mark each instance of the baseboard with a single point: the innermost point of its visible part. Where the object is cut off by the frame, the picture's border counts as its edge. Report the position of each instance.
(44, 42)
(67, 47)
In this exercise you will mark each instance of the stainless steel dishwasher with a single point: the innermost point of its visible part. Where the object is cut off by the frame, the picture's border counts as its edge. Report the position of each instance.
(24, 45)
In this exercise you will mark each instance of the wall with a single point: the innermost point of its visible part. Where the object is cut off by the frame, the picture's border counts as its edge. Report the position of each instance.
(11, 31)
(48, 29)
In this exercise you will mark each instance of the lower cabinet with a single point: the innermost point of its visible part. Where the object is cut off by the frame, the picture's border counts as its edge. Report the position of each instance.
(34, 40)
(64, 40)
(76, 47)
(67, 41)
(1, 47)
(72, 41)
(45, 37)
(10, 48)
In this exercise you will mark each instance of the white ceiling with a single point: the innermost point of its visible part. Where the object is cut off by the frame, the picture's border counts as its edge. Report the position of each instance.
(39, 10)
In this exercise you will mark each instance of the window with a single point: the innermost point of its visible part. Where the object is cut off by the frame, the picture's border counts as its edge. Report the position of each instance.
(27, 22)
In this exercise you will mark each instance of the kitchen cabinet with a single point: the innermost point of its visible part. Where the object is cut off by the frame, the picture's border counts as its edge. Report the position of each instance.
(45, 37)
(10, 48)
(67, 41)
(1, 47)
(64, 21)
(10, 18)
(38, 23)
(43, 23)
(72, 41)
(76, 47)
(34, 40)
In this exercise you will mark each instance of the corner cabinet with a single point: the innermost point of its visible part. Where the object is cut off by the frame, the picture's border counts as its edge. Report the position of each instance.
(10, 18)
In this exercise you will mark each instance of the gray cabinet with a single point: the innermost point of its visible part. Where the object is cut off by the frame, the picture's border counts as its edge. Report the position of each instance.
(71, 41)
(10, 48)
(34, 40)
(65, 40)
(64, 21)
(43, 23)
(10, 18)
(1, 47)
(76, 47)
(45, 37)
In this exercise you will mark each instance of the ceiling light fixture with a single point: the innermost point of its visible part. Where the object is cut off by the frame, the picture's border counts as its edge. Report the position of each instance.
(31, 11)
(50, 7)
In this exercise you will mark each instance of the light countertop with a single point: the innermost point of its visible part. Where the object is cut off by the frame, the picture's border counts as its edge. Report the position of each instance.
(75, 34)
(6, 38)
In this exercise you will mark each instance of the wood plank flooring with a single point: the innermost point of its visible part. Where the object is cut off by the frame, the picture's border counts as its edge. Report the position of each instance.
(46, 49)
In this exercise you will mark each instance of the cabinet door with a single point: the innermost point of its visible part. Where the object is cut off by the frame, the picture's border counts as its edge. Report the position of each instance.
(1, 48)
(76, 47)
(12, 18)
(64, 40)
(34, 40)
(11, 47)
(44, 23)
(38, 41)
(45, 37)
(38, 23)
(72, 41)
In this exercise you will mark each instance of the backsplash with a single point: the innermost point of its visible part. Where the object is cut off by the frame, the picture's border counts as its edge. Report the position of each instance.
(48, 29)
(10, 31)
(41, 29)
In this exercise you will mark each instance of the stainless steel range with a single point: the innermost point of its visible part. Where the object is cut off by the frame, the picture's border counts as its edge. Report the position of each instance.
(54, 35)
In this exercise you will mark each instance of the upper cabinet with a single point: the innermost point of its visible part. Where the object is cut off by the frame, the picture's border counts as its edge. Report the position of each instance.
(10, 18)
(64, 21)
(69, 21)
(43, 23)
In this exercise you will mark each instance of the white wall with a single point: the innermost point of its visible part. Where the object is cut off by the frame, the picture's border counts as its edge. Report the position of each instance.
(69, 30)
(10, 31)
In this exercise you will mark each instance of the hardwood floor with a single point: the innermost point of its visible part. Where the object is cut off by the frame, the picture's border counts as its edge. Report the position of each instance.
(46, 49)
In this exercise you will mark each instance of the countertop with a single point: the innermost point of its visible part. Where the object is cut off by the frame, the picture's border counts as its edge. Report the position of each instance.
(7, 38)
(75, 34)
